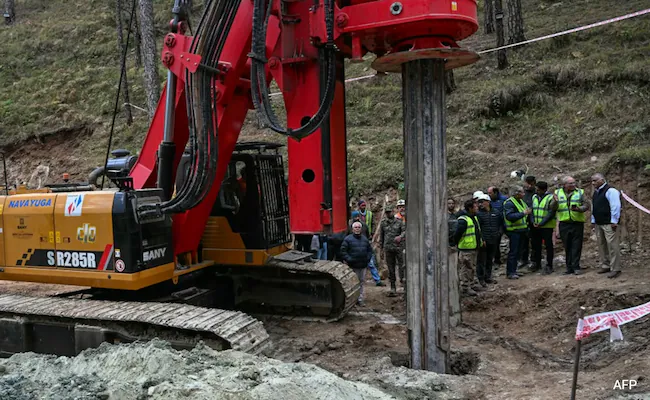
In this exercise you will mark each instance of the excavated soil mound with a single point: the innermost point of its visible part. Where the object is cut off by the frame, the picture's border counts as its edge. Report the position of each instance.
(156, 371)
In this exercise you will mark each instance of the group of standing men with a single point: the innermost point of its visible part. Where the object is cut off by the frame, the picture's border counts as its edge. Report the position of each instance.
(356, 248)
(530, 218)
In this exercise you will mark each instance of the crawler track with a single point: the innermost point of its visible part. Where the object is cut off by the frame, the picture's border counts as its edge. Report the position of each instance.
(291, 285)
(294, 286)
(67, 326)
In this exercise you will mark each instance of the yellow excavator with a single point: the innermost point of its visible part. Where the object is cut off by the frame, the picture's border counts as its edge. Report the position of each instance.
(195, 235)
(136, 287)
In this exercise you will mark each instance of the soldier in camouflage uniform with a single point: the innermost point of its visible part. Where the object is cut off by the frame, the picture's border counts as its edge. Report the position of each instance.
(392, 232)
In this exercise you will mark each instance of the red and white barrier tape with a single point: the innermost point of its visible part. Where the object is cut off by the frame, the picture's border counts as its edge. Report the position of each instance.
(581, 28)
(610, 320)
(634, 203)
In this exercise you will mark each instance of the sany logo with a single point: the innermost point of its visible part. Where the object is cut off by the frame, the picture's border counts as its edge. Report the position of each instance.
(73, 205)
(153, 254)
(86, 233)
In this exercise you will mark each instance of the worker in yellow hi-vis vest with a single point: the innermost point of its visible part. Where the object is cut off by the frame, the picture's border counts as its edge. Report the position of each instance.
(515, 213)
(470, 239)
(571, 209)
(544, 210)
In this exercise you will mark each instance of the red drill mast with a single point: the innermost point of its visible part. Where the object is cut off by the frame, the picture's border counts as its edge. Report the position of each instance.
(296, 42)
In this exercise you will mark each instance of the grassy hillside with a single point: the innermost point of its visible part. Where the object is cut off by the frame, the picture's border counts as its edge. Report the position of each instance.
(559, 103)
(567, 105)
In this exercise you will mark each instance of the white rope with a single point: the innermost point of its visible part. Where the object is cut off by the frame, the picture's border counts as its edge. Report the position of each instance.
(581, 28)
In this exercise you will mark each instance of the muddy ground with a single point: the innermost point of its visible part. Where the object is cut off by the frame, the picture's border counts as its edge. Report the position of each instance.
(515, 341)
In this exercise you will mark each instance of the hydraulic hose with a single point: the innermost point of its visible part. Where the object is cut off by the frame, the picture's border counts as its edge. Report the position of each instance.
(259, 85)
(201, 103)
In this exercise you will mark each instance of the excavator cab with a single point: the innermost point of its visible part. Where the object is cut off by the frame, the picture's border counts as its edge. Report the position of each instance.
(249, 221)
(255, 186)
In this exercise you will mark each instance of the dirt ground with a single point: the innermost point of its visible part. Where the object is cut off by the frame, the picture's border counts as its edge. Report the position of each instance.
(516, 340)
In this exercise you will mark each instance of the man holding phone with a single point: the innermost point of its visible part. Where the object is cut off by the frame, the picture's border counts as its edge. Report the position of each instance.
(571, 209)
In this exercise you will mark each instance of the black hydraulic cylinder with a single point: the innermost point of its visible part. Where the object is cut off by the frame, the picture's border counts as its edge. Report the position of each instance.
(425, 172)
(166, 153)
(167, 149)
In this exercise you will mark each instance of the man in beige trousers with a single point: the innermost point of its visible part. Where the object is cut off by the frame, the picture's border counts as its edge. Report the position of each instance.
(605, 215)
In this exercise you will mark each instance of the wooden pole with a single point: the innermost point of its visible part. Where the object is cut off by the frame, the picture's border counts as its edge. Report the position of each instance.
(455, 314)
(427, 247)
(639, 217)
(576, 362)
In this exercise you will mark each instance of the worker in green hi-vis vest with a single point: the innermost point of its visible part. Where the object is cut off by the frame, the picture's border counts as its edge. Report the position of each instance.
(515, 214)
(544, 209)
(366, 216)
(571, 209)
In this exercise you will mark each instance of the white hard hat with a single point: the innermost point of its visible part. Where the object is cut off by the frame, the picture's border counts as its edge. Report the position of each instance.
(401, 202)
(477, 194)
(484, 197)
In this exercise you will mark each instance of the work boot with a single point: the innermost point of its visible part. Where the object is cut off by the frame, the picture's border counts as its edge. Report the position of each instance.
(380, 283)
(483, 283)
(533, 267)
(603, 270)
(490, 280)
(469, 292)
(393, 290)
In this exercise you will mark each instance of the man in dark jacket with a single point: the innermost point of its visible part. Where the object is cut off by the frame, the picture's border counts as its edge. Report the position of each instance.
(452, 220)
(356, 252)
(516, 215)
(491, 222)
(356, 217)
(496, 203)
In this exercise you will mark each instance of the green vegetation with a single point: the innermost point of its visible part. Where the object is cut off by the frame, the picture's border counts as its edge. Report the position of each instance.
(560, 102)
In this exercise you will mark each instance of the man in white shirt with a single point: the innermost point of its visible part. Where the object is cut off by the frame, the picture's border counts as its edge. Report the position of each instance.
(605, 215)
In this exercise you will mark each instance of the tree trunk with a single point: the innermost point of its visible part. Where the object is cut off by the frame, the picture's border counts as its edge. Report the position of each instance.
(122, 53)
(149, 56)
(138, 40)
(515, 22)
(502, 60)
(450, 82)
(9, 11)
(488, 10)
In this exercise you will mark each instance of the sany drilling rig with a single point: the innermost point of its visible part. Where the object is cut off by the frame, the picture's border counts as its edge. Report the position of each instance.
(200, 222)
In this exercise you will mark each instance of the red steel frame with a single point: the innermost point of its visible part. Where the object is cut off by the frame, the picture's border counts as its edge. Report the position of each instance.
(292, 41)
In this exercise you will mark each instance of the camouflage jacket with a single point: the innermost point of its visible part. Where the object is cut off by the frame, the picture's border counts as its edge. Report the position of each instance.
(389, 230)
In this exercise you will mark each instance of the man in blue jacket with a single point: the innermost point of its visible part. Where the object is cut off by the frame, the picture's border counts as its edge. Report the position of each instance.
(356, 252)
(491, 223)
(496, 203)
